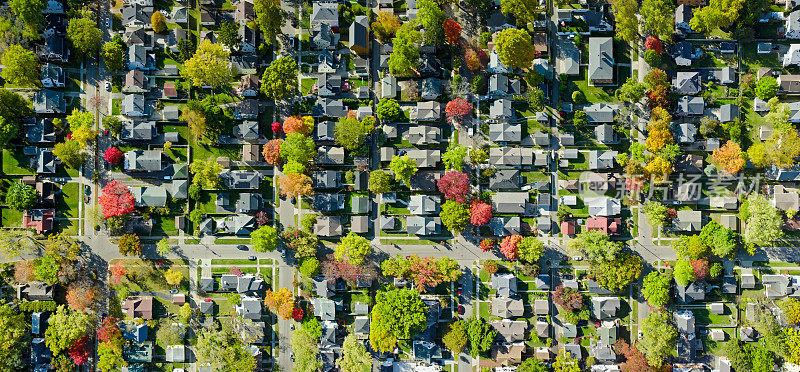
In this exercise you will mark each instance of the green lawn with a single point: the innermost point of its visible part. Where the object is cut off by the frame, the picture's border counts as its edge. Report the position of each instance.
(69, 227)
(200, 151)
(67, 202)
(16, 162)
(177, 154)
(306, 84)
(751, 57)
(234, 241)
(11, 217)
(232, 261)
(183, 131)
(594, 94)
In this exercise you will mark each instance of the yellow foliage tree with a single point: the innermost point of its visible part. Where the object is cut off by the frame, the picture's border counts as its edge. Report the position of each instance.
(729, 158)
(280, 302)
(294, 185)
(659, 166)
(657, 139)
(173, 277)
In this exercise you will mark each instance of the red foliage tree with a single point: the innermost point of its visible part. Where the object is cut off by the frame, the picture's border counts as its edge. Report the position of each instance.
(487, 244)
(79, 297)
(118, 270)
(116, 200)
(276, 127)
(235, 271)
(480, 213)
(297, 313)
(458, 109)
(294, 124)
(701, 270)
(261, 218)
(508, 246)
(569, 299)
(657, 97)
(452, 31)
(109, 330)
(23, 272)
(653, 43)
(79, 351)
(455, 186)
(334, 269)
(272, 151)
(425, 272)
(113, 155)
(635, 360)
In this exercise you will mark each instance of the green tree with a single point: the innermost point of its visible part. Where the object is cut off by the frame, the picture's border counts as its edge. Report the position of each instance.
(109, 357)
(565, 363)
(353, 248)
(595, 245)
(224, 350)
(309, 267)
(625, 13)
(269, 18)
(350, 133)
(405, 54)
(305, 347)
(652, 58)
(64, 327)
(530, 249)
(13, 339)
(617, 273)
(265, 239)
(84, 34)
(158, 22)
(656, 214)
(46, 268)
(388, 110)
(208, 67)
(299, 148)
(355, 357)
(455, 336)
(404, 168)
(524, 11)
(163, 247)
(12, 108)
(280, 78)
(29, 11)
(481, 336)
(454, 157)
(432, 17)
(532, 365)
(766, 88)
(114, 57)
(684, 273)
(455, 216)
(205, 173)
(659, 18)
(380, 182)
(718, 14)
(113, 124)
(515, 48)
(21, 67)
(658, 337)
(21, 196)
(764, 221)
(228, 35)
(397, 314)
(655, 289)
(70, 152)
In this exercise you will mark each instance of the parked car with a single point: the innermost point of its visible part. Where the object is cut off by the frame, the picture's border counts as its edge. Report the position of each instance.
(251, 258)
(460, 309)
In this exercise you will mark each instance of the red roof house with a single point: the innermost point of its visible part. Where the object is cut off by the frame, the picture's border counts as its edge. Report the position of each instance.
(169, 90)
(568, 227)
(610, 226)
(40, 219)
(138, 307)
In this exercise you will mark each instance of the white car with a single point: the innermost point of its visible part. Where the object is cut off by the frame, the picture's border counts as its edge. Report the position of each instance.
(108, 23)
(108, 86)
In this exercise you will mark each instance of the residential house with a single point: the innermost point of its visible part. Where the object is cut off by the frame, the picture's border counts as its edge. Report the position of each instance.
(321, 36)
(421, 135)
(683, 14)
(604, 308)
(600, 113)
(327, 179)
(605, 134)
(359, 35)
(690, 106)
(54, 49)
(730, 112)
(244, 12)
(424, 204)
(423, 225)
(792, 56)
(686, 133)
(135, 82)
(149, 196)
(143, 161)
(687, 83)
(328, 155)
(133, 105)
(510, 330)
(246, 109)
(694, 291)
(249, 85)
(248, 42)
(138, 307)
(684, 52)
(603, 206)
(504, 226)
(430, 88)
(501, 109)
(45, 162)
(505, 132)
(249, 307)
(609, 226)
(427, 111)
(505, 307)
(516, 157)
(688, 221)
(495, 66)
(40, 220)
(47, 101)
(792, 25)
(137, 16)
(429, 66)
(328, 202)
(602, 159)
(241, 179)
(425, 158)
(325, 12)
(508, 202)
(601, 60)
(247, 130)
(138, 131)
(508, 354)
(52, 76)
(789, 83)
(40, 131)
(54, 7)
(248, 203)
(505, 179)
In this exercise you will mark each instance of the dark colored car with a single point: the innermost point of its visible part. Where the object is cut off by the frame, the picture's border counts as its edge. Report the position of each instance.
(460, 309)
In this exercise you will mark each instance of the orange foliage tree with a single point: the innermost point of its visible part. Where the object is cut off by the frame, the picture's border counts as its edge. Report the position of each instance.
(118, 270)
(280, 302)
(297, 124)
(729, 158)
(294, 185)
(472, 59)
(272, 151)
(80, 296)
(23, 272)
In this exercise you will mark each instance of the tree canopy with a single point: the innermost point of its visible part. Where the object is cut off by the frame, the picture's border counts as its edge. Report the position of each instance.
(269, 18)
(404, 168)
(64, 327)
(299, 148)
(524, 11)
(655, 289)
(84, 34)
(397, 314)
(658, 337)
(595, 245)
(350, 133)
(224, 350)
(455, 216)
(265, 238)
(208, 67)
(515, 48)
(763, 222)
(13, 338)
(280, 78)
(355, 357)
(21, 67)
(626, 15)
(353, 248)
(659, 18)
(405, 53)
(717, 14)
(21, 196)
